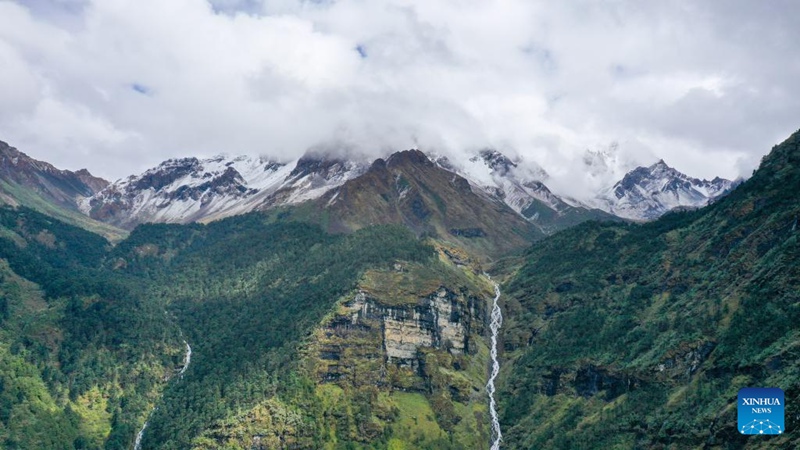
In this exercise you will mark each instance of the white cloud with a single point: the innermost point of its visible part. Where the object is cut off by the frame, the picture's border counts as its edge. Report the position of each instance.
(709, 86)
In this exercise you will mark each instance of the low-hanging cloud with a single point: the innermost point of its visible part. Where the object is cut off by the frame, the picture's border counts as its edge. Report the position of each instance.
(120, 85)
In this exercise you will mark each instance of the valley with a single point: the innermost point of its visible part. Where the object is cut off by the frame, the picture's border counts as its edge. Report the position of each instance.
(362, 315)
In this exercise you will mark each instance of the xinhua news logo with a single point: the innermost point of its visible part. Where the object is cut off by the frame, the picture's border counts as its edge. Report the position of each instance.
(761, 411)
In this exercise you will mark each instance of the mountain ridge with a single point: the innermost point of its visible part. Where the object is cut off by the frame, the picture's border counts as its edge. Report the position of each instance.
(25, 181)
(410, 189)
(183, 190)
(62, 187)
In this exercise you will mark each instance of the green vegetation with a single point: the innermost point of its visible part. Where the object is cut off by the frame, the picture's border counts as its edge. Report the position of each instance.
(82, 351)
(625, 336)
(94, 333)
(245, 292)
(15, 195)
(361, 400)
(615, 335)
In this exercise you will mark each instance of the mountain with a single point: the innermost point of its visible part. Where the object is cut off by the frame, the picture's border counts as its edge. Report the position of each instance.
(646, 193)
(349, 308)
(304, 339)
(299, 338)
(38, 185)
(373, 335)
(640, 336)
(344, 195)
(61, 187)
(523, 189)
(409, 189)
(191, 189)
(202, 190)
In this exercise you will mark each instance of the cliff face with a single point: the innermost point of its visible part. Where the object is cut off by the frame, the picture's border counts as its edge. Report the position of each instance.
(396, 337)
(407, 347)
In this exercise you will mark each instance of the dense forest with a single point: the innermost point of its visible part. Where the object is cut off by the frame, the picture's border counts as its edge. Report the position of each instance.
(245, 292)
(92, 334)
(640, 336)
(83, 350)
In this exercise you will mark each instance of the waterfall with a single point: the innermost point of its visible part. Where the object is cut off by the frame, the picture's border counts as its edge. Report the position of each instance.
(187, 359)
(494, 325)
(139, 436)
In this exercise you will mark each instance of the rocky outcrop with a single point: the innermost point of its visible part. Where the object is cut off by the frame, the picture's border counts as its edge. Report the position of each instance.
(370, 336)
(588, 381)
(684, 361)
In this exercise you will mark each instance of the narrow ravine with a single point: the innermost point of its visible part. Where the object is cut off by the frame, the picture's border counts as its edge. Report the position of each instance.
(187, 359)
(494, 326)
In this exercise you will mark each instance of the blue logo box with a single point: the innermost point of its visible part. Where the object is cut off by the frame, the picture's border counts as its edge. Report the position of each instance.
(761, 411)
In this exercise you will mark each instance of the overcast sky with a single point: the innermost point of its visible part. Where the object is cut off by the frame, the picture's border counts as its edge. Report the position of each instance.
(120, 85)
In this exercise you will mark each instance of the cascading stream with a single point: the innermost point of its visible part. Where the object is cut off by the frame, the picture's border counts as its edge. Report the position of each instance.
(494, 326)
(187, 359)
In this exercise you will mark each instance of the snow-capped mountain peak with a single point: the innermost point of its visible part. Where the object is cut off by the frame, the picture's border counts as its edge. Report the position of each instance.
(191, 189)
(646, 193)
(497, 162)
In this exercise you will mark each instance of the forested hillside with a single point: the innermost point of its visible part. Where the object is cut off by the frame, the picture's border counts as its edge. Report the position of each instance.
(628, 336)
(92, 334)
(245, 292)
(83, 352)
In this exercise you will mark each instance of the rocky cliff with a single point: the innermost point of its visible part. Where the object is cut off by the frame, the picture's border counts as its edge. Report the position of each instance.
(396, 337)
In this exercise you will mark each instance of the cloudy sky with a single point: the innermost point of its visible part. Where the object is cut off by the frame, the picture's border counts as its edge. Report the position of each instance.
(119, 85)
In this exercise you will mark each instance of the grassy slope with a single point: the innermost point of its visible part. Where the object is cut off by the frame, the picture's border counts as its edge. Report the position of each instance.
(623, 336)
(14, 195)
(408, 189)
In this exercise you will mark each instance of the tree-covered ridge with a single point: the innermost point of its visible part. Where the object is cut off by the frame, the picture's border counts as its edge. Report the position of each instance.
(625, 336)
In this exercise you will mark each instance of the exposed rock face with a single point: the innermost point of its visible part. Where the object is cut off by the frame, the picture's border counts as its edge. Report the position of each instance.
(588, 381)
(61, 187)
(684, 361)
(395, 335)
